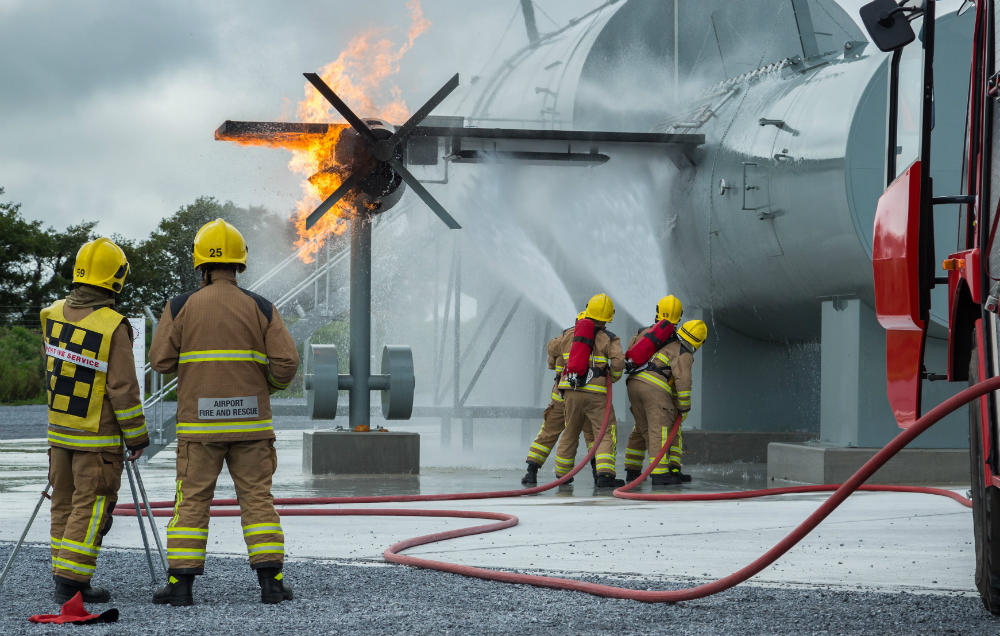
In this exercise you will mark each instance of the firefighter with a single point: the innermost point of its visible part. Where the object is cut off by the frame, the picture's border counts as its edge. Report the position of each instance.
(657, 395)
(671, 309)
(553, 423)
(93, 405)
(230, 350)
(585, 402)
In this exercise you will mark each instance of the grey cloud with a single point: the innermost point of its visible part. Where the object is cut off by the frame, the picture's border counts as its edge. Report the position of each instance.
(109, 107)
(57, 52)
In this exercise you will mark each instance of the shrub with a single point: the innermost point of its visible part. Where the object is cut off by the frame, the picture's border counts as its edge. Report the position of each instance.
(22, 366)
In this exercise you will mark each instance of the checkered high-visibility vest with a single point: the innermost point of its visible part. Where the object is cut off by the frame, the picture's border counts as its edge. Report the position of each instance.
(76, 364)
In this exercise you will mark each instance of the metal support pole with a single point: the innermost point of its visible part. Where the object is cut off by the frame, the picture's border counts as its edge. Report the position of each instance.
(528, 10)
(489, 352)
(467, 433)
(458, 317)
(142, 526)
(361, 321)
(807, 34)
(20, 542)
(446, 431)
(149, 515)
(437, 375)
(677, 65)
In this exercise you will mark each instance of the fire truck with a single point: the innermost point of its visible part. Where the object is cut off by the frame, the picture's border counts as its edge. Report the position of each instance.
(905, 268)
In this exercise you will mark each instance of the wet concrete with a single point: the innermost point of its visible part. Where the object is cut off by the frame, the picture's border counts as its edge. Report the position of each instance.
(876, 541)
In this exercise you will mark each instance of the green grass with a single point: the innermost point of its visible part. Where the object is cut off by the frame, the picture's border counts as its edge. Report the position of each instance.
(38, 400)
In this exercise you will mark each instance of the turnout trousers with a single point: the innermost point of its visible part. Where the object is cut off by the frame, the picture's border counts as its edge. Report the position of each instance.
(251, 465)
(654, 413)
(585, 411)
(553, 424)
(84, 492)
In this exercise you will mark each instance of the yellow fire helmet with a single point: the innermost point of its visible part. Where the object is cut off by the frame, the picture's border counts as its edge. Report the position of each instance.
(101, 263)
(669, 308)
(581, 315)
(220, 242)
(600, 308)
(693, 332)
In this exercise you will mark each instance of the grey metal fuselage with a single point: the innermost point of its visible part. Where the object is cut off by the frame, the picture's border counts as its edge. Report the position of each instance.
(794, 224)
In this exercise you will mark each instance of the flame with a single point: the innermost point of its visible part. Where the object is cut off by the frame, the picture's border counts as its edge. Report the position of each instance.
(360, 76)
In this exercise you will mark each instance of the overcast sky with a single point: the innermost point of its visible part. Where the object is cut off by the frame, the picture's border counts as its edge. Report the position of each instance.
(108, 107)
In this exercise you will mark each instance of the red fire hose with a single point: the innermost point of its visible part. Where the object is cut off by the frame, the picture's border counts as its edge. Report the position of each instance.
(392, 554)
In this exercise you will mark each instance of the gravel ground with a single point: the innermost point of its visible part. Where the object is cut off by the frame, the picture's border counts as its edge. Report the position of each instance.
(365, 598)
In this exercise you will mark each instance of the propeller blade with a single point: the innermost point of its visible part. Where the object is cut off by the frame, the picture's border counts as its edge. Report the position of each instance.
(424, 194)
(341, 107)
(337, 195)
(425, 110)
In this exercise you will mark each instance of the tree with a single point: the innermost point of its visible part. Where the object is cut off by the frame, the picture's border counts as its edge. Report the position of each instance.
(52, 262)
(162, 266)
(17, 241)
(36, 265)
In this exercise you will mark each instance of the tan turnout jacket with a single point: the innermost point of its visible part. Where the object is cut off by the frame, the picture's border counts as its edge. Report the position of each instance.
(556, 363)
(230, 350)
(675, 361)
(607, 356)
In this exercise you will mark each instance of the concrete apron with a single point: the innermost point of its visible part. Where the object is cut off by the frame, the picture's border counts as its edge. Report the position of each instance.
(882, 541)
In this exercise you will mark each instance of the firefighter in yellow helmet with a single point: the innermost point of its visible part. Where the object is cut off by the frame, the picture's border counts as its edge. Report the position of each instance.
(230, 350)
(657, 394)
(93, 406)
(671, 309)
(553, 423)
(584, 403)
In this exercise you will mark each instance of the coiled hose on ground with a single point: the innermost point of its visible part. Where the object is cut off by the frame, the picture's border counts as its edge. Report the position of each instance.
(393, 553)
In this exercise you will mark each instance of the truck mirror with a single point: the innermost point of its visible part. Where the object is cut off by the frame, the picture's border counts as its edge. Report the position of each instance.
(887, 24)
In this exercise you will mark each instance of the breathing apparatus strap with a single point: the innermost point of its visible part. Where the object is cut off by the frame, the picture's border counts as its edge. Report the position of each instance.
(587, 341)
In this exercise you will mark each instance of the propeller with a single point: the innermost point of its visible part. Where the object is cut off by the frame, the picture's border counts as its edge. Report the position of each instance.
(383, 151)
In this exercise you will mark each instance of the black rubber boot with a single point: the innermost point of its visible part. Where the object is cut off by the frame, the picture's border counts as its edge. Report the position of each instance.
(177, 591)
(531, 477)
(593, 467)
(608, 481)
(273, 588)
(631, 475)
(685, 479)
(67, 589)
(666, 479)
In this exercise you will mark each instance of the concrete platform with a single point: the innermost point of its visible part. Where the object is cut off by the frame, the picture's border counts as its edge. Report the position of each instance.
(817, 464)
(350, 453)
(722, 447)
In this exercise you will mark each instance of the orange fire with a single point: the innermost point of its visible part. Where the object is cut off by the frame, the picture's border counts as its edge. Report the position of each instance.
(360, 76)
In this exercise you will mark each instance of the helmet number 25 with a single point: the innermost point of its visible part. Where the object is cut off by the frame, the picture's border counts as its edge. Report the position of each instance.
(215, 251)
